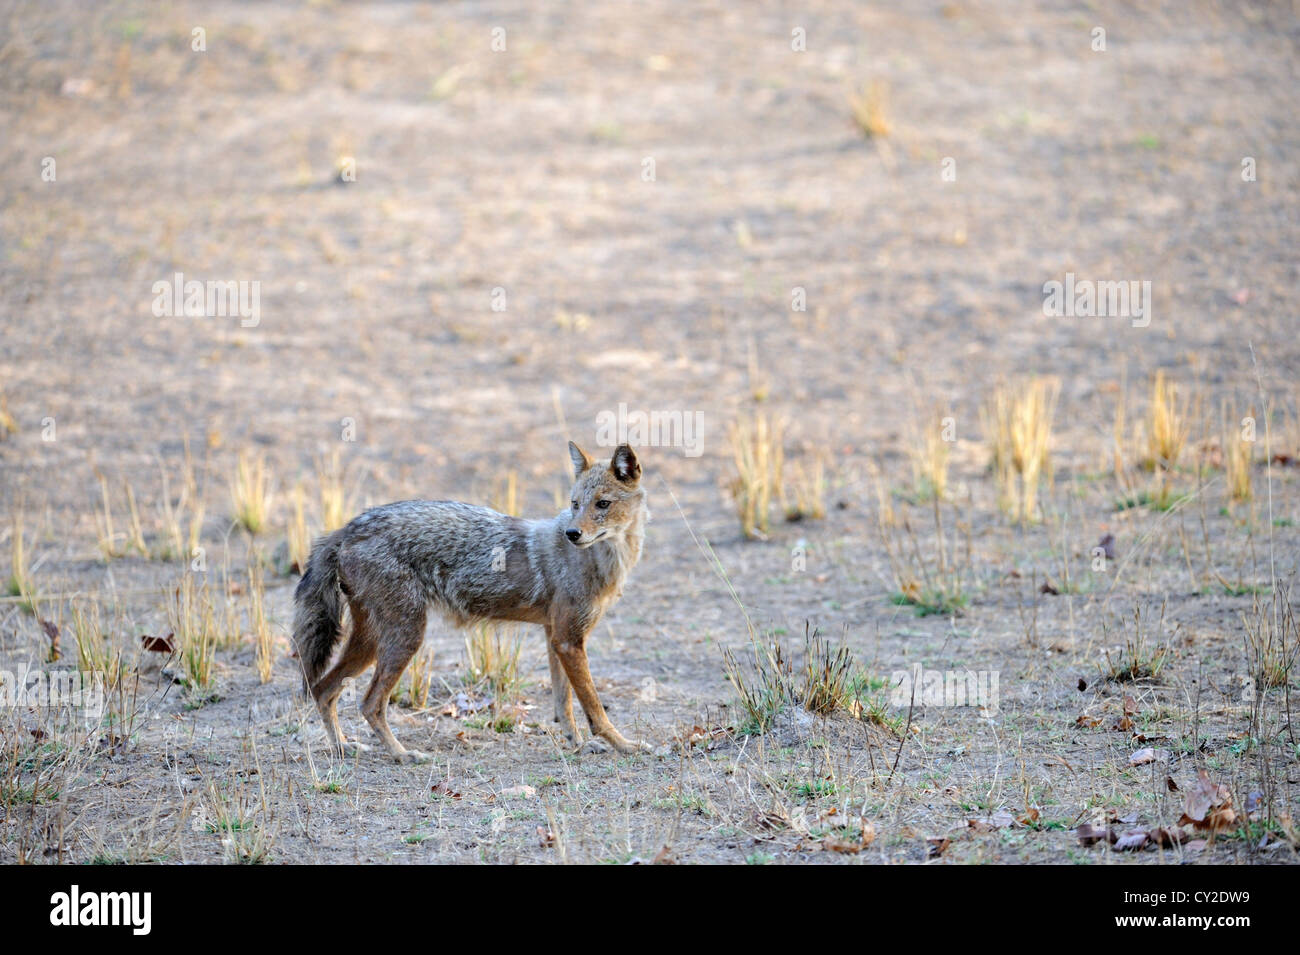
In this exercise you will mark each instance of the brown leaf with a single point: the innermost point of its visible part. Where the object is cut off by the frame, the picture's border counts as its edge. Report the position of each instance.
(1086, 721)
(664, 857)
(1047, 588)
(1208, 805)
(1142, 757)
(545, 838)
(443, 788)
(1170, 784)
(1132, 840)
(165, 644)
(1124, 724)
(1168, 836)
(1030, 818)
(1090, 835)
(999, 820)
(866, 836)
(938, 845)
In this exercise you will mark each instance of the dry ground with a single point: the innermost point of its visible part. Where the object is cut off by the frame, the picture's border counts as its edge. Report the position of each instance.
(522, 170)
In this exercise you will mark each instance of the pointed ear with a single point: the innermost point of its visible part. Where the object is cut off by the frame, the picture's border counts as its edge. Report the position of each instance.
(625, 465)
(579, 458)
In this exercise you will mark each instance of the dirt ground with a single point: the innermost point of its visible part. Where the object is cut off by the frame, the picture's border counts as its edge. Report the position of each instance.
(463, 260)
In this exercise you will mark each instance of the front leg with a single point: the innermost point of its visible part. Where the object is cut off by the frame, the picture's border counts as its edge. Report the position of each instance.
(570, 647)
(560, 692)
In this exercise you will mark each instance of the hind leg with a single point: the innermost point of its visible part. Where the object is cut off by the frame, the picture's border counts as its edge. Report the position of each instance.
(358, 653)
(401, 626)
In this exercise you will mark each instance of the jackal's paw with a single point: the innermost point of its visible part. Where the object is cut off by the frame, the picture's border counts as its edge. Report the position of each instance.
(593, 746)
(631, 746)
(412, 756)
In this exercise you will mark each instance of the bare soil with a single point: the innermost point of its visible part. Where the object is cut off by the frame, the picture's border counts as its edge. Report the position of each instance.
(523, 171)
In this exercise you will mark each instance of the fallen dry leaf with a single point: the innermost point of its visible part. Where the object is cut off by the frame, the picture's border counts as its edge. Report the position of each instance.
(443, 788)
(1208, 805)
(938, 845)
(165, 644)
(1147, 755)
(999, 820)
(1131, 840)
(1090, 835)
(866, 836)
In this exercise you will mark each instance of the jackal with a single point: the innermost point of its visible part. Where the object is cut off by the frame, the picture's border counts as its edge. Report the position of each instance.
(393, 563)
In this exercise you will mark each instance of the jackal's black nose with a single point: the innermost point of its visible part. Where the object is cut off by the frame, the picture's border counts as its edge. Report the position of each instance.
(573, 534)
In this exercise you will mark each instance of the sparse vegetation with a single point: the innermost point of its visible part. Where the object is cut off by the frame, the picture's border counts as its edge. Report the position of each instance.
(250, 493)
(1144, 654)
(759, 459)
(1018, 421)
(193, 620)
(929, 456)
(870, 110)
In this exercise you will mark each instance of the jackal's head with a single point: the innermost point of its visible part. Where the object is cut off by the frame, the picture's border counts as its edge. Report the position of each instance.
(605, 500)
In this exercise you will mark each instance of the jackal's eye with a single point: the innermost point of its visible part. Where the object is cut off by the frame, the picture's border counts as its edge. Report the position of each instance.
(603, 504)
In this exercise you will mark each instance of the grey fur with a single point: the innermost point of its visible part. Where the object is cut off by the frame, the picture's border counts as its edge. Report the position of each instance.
(470, 564)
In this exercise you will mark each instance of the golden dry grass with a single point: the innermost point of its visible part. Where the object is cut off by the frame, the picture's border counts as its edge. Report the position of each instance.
(1018, 422)
(870, 110)
(250, 493)
(929, 455)
(756, 447)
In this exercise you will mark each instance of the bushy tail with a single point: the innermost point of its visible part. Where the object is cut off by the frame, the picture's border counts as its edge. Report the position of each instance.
(318, 610)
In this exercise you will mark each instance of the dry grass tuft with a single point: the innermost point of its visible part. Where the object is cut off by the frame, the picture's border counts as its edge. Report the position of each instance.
(1238, 457)
(1018, 420)
(492, 661)
(807, 484)
(1167, 424)
(263, 639)
(193, 620)
(8, 425)
(929, 457)
(505, 497)
(250, 493)
(1272, 638)
(824, 685)
(335, 505)
(20, 576)
(870, 113)
(1142, 657)
(756, 446)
